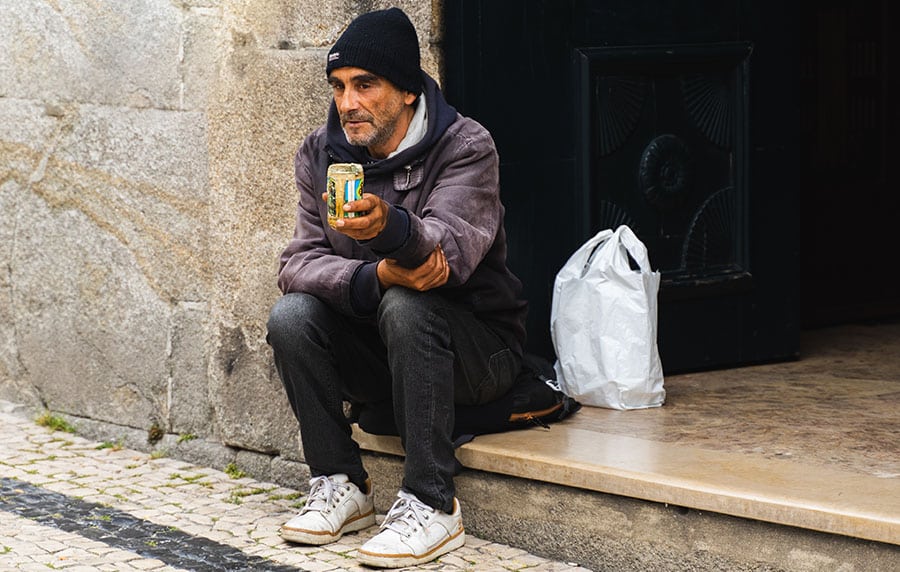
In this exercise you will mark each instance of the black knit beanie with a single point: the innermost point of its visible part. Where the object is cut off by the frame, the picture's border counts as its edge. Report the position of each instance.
(383, 42)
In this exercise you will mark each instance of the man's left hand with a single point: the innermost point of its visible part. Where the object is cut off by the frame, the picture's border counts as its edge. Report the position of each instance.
(370, 224)
(434, 272)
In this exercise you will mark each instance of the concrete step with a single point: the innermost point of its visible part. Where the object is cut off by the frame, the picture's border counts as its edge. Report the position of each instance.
(782, 492)
(610, 502)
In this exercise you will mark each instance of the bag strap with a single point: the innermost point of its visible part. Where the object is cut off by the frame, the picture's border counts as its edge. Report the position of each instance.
(584, 256)
(633, 246)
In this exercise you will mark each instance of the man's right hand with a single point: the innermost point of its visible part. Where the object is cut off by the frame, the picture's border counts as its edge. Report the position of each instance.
(430, 274)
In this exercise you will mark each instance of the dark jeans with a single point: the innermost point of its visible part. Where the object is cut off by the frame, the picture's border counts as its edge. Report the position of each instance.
(422, 352)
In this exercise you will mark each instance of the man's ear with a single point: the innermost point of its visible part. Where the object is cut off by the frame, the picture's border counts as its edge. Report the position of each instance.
(409, 98)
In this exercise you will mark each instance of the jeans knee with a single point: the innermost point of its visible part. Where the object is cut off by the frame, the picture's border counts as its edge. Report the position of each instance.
(400, 305)
(405, 312)
(289, 317)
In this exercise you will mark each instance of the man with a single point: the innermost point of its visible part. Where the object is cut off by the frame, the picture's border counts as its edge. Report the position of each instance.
(409, 307)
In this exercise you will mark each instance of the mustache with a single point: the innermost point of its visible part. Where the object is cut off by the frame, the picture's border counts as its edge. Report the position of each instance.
(356, 115)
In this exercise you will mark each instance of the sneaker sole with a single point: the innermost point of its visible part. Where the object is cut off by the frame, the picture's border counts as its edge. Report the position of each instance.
(317, 537)
(403, 560)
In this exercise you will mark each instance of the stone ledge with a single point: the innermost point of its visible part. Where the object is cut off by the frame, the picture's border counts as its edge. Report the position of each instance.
(609, 532)
(776, 491)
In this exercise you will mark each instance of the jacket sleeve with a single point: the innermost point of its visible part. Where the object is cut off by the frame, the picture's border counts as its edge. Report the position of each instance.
(462, 211)
(309, 263)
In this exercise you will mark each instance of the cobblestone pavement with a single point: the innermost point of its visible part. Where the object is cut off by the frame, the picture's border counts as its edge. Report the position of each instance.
(77, 505)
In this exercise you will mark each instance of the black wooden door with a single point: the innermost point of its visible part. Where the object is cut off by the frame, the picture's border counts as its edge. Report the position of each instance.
(676, 118)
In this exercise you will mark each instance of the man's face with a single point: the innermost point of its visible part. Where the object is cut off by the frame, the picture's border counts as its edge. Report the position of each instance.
(372, 109)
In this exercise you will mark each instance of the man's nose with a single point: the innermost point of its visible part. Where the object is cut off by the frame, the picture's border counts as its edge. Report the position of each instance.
(347, 101)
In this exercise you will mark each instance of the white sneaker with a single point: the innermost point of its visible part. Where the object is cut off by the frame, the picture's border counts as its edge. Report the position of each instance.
(413, 533)
(334, 506)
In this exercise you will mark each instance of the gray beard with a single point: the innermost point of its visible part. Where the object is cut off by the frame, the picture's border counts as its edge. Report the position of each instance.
(378, 137)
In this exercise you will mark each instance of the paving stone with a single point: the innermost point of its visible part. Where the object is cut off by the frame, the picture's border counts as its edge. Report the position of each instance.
(51, 546)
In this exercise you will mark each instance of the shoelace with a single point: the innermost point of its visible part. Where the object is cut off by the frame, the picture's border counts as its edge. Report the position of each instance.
(407, 515)
(322, 492)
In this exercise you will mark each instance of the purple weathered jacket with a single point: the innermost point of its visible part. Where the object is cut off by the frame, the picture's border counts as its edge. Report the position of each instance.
(445, 189)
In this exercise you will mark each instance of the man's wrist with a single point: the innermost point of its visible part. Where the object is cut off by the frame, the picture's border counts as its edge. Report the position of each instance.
(379, 273)
(393, 235)
(365, 289)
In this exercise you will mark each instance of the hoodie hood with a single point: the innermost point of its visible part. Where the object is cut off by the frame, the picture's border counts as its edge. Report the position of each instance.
(440, 116)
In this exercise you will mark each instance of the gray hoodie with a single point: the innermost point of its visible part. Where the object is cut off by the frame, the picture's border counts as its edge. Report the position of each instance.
(444, 189)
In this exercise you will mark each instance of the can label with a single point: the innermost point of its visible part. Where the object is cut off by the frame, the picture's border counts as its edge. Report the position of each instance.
(345, 183)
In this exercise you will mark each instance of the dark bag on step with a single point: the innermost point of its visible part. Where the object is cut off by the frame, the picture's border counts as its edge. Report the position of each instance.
(533, 400)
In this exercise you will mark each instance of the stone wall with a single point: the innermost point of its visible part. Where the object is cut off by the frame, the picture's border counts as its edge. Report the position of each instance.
(146, 190)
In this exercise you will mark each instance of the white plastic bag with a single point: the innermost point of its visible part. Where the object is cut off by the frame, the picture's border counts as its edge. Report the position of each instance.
(603, 324)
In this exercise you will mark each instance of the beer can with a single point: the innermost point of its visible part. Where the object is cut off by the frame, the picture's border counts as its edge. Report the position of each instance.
(345, 182)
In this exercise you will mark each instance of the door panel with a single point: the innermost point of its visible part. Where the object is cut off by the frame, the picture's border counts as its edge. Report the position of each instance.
(673, 118)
